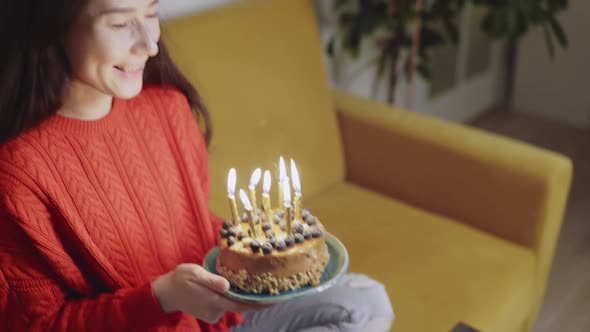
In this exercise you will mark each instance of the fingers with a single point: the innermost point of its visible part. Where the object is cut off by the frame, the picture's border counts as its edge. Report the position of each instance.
(215, 283)
(207, 279)
(204, 297)
(211, 317)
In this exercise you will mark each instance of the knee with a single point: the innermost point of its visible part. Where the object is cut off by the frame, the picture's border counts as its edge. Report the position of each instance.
(374, 299)
(382, 316)
(382, 324)
(373, 292)
(356, 303)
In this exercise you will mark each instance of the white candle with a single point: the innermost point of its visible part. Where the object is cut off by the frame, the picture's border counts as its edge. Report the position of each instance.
(266, 182)
(282, 170)
(297, 189)
(231, 189)
(248, 208)
(265, 196)
(254, 179)
(282, 178)
(287, 205)
(286, 193)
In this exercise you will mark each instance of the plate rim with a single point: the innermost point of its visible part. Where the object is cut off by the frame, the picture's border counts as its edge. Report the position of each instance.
(278, 298)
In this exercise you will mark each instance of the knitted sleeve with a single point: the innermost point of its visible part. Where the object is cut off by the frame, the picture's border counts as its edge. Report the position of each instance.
(33, 296)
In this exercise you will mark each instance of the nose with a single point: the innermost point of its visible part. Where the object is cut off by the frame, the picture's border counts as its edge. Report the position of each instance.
(147, 43)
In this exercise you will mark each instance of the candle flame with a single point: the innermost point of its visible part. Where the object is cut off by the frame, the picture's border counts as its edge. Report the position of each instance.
(295, 178)
(282, 170)
(231, 182)
(286, 193)
(245, 200)
(255, 178)
(266, 182)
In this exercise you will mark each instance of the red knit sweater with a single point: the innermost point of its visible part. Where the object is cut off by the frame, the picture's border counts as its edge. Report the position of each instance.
(92, 211)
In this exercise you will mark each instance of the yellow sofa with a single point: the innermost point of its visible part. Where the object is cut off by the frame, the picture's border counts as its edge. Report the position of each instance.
(459, 224)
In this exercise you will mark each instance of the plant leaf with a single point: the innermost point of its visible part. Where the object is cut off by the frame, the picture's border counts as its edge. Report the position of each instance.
(557, 5)
(522, 25)
(430, 37)
(511, 20)
(330, 47)
(347, 19)
(526, 8)
(452, 31)
(494, 23)
(352, 43)
(424, 70)
(340, 3)
(549, 42)
(558, 32)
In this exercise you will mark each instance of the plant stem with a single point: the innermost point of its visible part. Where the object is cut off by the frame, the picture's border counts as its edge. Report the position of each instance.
(394, 50)
(414, 55)
(510, 53)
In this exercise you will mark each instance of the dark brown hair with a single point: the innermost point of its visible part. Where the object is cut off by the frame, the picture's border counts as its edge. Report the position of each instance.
(34, 69)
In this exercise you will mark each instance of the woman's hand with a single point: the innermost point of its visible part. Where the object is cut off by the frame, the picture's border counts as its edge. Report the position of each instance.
(193, 290)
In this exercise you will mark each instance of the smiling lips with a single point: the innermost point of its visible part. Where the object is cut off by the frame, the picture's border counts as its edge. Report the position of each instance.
(130, 71)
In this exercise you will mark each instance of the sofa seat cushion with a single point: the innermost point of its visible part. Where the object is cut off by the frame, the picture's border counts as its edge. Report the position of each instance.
(437, 271)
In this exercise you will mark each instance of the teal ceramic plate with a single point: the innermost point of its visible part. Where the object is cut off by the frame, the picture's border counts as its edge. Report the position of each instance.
(335, 269)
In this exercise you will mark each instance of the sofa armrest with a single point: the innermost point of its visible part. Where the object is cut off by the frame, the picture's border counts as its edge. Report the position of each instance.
(510, 189)
(502, 186)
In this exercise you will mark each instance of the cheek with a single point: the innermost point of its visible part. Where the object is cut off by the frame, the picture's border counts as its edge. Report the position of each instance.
(98, 50)
(111, 48)
(154, 30)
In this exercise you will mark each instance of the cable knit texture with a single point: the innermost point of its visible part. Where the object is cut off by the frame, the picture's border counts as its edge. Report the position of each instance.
(92, 211)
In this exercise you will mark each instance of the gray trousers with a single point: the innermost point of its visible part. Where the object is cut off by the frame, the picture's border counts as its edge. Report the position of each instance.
(357, 303)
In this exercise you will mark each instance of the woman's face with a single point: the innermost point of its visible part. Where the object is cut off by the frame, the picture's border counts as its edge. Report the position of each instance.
(110, 43)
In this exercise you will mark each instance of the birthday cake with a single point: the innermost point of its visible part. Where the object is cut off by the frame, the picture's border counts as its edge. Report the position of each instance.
(272, 250)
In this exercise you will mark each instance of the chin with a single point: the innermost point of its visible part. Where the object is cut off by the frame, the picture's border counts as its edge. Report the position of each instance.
(127, 91)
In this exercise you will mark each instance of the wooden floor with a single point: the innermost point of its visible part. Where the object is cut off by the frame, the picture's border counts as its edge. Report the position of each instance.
(567, 301)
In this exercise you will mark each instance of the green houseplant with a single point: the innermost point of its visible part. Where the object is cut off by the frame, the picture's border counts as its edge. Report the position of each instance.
(415, 27)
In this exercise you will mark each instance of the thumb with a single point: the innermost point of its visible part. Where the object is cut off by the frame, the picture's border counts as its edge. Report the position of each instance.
(213, 281)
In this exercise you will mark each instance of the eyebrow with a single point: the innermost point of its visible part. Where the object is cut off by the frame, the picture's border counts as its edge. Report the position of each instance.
(121, 10)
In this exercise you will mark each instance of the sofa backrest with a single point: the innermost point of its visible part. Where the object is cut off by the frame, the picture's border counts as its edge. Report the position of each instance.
(260, 68)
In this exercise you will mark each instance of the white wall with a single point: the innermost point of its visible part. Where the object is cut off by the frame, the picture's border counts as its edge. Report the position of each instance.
(557, 89)
(466, 101)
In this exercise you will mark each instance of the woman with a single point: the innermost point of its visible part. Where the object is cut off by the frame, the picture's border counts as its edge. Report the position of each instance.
(104, 186)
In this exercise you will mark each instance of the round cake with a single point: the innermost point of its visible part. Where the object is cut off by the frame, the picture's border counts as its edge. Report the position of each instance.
(271, 259)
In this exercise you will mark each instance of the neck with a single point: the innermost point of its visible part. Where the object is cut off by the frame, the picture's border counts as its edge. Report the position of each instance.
(83, 102)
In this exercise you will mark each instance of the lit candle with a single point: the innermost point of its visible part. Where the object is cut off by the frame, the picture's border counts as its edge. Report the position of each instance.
(248, 208)
(231, 190)
(297, 189)
(265, 196)
(254, 179)
(287, 205)
(282, 178)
